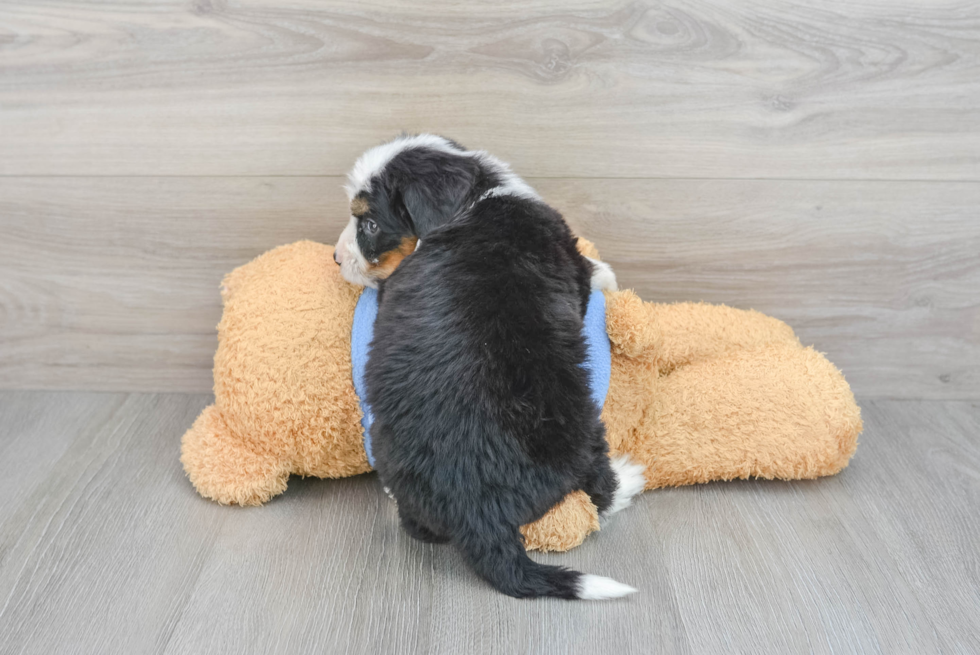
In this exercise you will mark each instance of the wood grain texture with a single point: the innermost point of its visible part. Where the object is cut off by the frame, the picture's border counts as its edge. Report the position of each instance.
(104, 547)
(90, 267)
(883, 277)
(818, 162)
(712, 88)
(112, 283)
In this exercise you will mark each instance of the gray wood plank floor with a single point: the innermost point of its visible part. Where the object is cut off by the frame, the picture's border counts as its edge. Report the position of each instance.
(105, 548)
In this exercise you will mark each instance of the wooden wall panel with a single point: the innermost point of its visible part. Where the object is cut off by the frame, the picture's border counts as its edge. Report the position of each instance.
(112, 283)
(834, 90)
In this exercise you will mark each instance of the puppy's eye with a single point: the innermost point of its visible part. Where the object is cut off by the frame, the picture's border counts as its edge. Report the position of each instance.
(370, 227)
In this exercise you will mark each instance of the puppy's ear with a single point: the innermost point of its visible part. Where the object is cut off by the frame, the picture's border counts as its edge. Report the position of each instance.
(433, 200)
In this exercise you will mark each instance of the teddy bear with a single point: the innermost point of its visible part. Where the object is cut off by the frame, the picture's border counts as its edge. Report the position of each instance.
(696, 393)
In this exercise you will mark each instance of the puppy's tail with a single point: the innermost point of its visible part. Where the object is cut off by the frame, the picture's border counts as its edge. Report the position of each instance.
(499, 557)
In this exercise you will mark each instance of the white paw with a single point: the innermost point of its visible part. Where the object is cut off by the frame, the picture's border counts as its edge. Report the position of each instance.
(603, 278)
(630, 481)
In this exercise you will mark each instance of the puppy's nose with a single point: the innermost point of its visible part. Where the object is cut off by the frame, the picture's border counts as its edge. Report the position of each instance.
(335, 258)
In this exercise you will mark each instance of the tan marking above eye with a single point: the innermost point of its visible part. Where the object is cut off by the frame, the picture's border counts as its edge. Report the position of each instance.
(359, 206)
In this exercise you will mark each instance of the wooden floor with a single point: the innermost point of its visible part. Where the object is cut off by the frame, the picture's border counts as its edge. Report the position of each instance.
(819, 162)
(105, 548)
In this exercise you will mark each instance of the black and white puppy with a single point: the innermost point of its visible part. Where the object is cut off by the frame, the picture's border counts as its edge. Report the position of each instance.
(483, 418)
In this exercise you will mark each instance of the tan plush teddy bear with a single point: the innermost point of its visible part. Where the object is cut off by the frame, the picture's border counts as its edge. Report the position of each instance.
(696, 393)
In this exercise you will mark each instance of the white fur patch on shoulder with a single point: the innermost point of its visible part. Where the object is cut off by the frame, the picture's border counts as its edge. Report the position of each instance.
(629, 482)
(603, 277)
(510, 183)
(596, 587)
(374, 160)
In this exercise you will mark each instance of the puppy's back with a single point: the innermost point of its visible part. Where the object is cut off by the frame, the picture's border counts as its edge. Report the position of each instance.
(483, 418)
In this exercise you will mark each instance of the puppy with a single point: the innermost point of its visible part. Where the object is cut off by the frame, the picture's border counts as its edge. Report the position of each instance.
(483, 418)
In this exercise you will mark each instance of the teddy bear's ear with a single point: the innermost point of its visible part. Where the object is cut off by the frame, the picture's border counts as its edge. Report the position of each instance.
(587, 248)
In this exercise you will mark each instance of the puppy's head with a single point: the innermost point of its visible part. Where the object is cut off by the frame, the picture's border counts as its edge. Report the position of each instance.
(400, 191)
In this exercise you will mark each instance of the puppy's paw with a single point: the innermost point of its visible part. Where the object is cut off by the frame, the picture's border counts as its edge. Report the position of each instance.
(603, 278)
(629, 482)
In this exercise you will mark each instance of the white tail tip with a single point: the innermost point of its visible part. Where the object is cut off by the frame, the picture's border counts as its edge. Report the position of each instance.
(630, 481)
(596, 587)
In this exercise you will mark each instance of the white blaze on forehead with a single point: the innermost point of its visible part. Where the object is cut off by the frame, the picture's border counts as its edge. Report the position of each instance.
(374, 160)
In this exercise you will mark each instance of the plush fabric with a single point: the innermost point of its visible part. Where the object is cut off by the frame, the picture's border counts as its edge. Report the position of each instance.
(284, 397)
(696, 393)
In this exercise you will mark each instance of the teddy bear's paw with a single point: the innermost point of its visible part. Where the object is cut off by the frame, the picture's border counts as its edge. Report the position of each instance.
(603, 277)
(629, 482)
(225, 467)
(564, 526)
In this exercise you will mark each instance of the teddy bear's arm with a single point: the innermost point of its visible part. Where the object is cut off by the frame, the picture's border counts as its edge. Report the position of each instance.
(671, 335)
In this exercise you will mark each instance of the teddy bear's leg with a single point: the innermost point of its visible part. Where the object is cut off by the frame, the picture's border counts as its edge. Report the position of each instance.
(695, 331)
(223, 467)
(565, 526)
(774, 412)
(671, 335)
